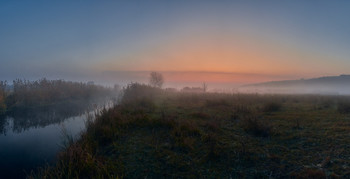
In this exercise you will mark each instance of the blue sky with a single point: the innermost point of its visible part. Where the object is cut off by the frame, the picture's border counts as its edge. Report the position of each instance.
(73, 40)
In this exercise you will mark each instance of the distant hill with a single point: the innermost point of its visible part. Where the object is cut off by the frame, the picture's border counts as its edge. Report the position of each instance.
(323, 85)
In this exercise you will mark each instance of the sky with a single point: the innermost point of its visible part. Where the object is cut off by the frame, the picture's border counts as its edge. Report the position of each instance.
(186, 40)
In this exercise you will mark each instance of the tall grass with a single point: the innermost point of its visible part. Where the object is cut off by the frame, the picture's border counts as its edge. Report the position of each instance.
(257, 126)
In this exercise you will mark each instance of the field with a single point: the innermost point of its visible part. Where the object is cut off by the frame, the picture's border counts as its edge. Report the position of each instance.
(155, 133)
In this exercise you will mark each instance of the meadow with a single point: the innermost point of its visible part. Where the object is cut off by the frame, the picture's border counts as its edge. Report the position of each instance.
(154, 133)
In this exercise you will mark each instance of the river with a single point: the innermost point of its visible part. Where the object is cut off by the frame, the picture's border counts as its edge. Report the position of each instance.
(33, 138)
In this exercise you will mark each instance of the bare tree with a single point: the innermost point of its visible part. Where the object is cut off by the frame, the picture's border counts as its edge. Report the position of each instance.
(156, 79)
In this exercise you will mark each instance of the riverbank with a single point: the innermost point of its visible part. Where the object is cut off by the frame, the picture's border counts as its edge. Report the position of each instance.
(157, 134)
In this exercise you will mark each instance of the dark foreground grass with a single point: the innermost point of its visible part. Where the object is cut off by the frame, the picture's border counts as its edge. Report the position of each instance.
(182, 135)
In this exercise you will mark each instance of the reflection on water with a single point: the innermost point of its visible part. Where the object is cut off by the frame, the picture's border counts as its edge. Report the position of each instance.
(24, 119)
(32, 137)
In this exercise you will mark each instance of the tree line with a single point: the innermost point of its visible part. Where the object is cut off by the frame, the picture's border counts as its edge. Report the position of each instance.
(25, 93)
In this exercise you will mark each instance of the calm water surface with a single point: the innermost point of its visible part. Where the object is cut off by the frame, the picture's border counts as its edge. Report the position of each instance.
(33, 138)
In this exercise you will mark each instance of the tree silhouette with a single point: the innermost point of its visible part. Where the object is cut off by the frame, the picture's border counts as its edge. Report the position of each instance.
(156, 79)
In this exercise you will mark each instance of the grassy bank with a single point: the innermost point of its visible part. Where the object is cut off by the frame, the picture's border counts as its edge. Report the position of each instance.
(158, 134)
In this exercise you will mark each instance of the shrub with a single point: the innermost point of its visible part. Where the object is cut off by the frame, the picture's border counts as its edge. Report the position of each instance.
(139, 97)
(136, 91)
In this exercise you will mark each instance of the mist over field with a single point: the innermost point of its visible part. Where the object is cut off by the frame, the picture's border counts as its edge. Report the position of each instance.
(174, 89)
(224, 81)
(236, 82)
(329, 85)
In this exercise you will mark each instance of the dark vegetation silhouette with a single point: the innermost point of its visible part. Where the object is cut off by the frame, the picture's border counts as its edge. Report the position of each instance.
(155, 133)
(45, 92)
(43, 102)
(156, 79)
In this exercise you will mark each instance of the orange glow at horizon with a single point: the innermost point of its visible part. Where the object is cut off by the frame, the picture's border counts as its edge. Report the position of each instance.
(218, 77)
(240, 54)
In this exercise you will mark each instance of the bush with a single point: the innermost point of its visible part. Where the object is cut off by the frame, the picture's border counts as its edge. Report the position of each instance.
(135, 92)
(139, 97)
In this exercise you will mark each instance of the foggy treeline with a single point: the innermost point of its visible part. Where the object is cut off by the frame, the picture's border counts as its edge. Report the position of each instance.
(25, 93)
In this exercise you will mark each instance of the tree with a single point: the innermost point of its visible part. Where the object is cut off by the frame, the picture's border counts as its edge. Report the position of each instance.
(156, 79)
